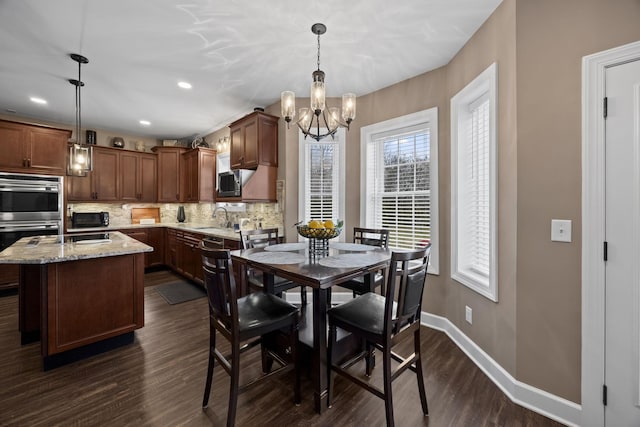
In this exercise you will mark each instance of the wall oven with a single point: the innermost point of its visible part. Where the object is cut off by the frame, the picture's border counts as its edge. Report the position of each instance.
(30, 205)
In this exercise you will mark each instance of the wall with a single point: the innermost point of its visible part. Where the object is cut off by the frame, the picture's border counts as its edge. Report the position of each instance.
(552, 38)
(534, 330)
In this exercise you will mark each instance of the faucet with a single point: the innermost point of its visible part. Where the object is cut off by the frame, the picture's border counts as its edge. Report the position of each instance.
(227, 223)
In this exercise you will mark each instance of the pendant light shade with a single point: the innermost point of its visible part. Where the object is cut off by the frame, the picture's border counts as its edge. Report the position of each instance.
(80, 154)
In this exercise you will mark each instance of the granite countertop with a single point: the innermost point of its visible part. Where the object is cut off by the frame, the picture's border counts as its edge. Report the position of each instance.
(194, 227)
(51, 249)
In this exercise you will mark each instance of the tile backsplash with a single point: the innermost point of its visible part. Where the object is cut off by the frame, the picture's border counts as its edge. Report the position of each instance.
(266, 214)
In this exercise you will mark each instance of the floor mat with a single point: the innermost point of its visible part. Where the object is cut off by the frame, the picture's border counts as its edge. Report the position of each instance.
(181, 291)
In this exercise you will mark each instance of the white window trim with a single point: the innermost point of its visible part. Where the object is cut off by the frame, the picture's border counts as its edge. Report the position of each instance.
(485, 82)
(366, 133)
(302, 162)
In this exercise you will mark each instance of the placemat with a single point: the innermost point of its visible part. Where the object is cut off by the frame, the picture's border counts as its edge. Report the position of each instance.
(349, 260)
(284, 247)
(355, 247)
(276, 257)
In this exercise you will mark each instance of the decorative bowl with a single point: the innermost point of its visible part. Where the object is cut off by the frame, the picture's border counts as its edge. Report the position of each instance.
(319, 233)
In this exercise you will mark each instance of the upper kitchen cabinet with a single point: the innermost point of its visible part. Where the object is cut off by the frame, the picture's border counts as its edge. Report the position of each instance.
(199, 175)
(169, 160)
(138, 176)
(254, 141)
(33, 149)
(102, 183)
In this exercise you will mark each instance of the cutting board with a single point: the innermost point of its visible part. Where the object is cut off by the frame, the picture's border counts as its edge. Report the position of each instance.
(147, 215)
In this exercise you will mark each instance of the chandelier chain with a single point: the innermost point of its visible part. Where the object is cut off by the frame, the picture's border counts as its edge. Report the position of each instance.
(318, 51)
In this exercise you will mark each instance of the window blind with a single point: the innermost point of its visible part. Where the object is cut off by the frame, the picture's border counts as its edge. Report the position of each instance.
(398, 185)
(321, 180)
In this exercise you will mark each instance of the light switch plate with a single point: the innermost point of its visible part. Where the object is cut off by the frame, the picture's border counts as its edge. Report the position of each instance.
(561, 230)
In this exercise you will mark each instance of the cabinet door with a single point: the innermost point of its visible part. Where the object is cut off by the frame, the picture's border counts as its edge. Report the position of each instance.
(47, 149)
(236, 150)
(206, 175)
(105, 174)
(250, 160)
(9, 275)
(129, 174)
(171, 249)
(148, 177)
(268, 141)
(155, 238)
(79, 188)
(13, 139)
(190, 176)
(169, 175)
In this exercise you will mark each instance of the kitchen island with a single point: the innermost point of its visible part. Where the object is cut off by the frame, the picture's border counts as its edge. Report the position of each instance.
(79, 294)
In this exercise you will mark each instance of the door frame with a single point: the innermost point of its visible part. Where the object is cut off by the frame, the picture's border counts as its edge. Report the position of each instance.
(593, 225)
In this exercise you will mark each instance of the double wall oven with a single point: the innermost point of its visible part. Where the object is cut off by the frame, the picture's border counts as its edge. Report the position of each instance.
(30, 205)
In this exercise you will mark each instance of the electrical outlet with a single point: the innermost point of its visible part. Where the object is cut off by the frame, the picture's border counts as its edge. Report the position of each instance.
(468, 314)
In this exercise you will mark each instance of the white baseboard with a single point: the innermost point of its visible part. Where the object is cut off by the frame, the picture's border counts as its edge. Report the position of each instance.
(540, 401)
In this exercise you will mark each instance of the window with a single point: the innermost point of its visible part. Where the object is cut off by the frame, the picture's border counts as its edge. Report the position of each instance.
(322, 178)
(400, 180)
(473, 185)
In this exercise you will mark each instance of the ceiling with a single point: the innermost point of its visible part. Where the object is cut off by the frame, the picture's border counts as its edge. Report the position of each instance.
(237, 54)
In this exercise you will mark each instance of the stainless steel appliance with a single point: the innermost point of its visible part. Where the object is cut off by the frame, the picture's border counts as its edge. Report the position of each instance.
(30, 205)
(89, 219)
(229, 184)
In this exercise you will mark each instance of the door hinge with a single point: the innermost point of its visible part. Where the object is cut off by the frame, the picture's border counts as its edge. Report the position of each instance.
(606, 251)
(604, 107)
(604, 394)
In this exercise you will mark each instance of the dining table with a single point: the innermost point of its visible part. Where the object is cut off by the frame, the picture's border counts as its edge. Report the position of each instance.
(301, 263)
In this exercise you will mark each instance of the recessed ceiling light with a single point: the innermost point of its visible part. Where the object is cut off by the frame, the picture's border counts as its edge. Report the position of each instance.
(184, 85)
(38, 100)
(145, 122)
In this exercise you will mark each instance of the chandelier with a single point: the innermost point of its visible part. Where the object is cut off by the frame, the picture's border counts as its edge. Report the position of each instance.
(80, 155)
(319, 121)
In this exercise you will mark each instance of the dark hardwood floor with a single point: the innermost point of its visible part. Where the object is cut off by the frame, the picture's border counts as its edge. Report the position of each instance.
(159, 381)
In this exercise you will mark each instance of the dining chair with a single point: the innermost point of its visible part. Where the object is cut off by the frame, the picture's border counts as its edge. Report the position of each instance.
(259, 239)
(382, 322)
(372, 237)
(245, 322)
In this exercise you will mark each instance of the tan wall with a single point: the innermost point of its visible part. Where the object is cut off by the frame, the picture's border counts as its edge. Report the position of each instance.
(494, 324)
(552, 37)
(534, 330)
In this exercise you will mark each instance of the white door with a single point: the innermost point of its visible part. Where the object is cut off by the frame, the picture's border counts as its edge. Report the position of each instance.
(622, 229)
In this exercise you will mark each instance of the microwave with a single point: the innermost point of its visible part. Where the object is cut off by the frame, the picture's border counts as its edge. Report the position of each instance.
(89, 219)
(229, 184)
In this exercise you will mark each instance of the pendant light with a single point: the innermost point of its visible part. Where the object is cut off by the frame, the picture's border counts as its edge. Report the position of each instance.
(80, 154)
(318, 121)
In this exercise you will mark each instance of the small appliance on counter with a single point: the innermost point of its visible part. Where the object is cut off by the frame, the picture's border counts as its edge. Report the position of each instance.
(89, 219)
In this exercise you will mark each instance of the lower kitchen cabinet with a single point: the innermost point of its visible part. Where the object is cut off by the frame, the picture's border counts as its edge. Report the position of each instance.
(182, 253)
(9, 275)
(152, 237)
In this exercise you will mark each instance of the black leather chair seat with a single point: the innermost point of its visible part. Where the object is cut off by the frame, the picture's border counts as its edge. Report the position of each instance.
(365, 313)
(261, 310)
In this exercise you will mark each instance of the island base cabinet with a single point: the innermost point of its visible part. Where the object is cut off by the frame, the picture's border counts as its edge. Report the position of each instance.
(82, 302)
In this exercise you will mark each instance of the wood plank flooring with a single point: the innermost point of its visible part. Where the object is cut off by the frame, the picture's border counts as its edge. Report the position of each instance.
(159, 381)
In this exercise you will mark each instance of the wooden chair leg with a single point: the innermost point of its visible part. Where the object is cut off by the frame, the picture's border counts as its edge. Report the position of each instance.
(207, 387)
(234, 387)
(330, 345)
(367, 357)
(303, 295)
(388, 399)
(421, 389)
(296, 363)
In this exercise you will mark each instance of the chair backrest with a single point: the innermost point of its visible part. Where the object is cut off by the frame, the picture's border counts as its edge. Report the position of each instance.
(406, 279)
(221, 286)
(371, 236)
(258, 238)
